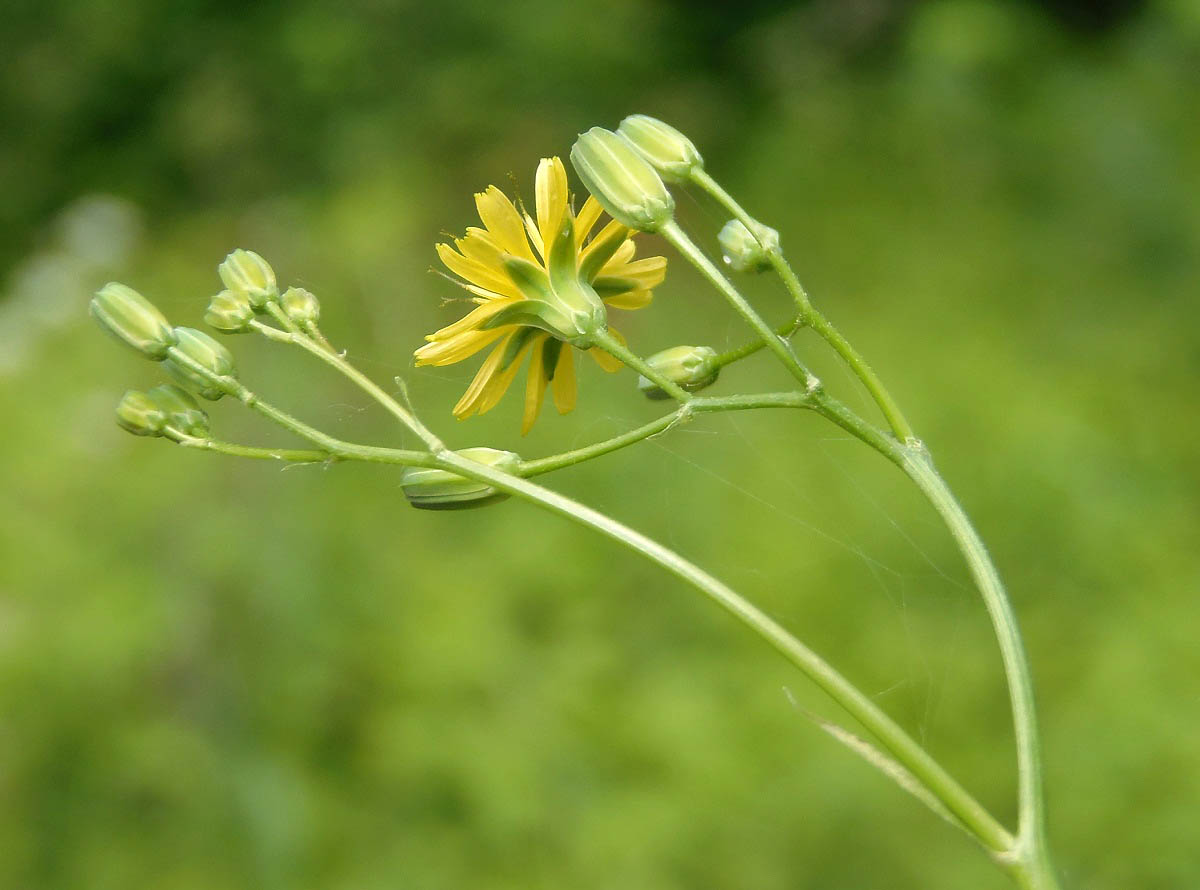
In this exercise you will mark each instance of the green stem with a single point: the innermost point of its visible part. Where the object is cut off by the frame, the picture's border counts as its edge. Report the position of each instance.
(614, 347)
(741, 352)
(682, 415)
(812, 317)
(333, 358)
(1030, 857)
(679, 239)
(901, 745)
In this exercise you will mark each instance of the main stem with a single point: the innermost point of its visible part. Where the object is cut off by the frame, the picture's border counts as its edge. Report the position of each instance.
(915, 758)
(1030, 859)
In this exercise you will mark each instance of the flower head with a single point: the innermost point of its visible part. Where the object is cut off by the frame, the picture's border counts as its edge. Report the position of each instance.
(542, 285)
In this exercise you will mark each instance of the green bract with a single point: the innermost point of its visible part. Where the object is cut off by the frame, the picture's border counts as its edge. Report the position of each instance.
(747, 251)
(669, 152)
(690, 367)
(133, 319)
(429, 488)
(249, 275)
(208, 354)
(181, 410)
(621, 180)
(140, 415)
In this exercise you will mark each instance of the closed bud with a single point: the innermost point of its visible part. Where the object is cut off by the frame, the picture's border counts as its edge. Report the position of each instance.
(300, 305)
(133, 319)
(140, 415)
(689, 367)
(206, 352)
(180, 409)
(429, 488)
(745, 250)
(622, 180)
(669, 152)
(229, 313)
(249, 275)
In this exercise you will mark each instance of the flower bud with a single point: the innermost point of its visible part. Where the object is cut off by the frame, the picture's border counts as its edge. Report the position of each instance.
(669, 152)
(249, 275)
(140, 415)
(229, 313)
(206, 352)
(429, 488)
(130, 317)
(689, 367)
(180, 409)
(621, 180)
(300, 305)
(747, 251)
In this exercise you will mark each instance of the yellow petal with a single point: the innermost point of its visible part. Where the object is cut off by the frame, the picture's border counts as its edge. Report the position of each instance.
(550, 190)
(648, 273)
(564, 381)
(535, 386)
(469, 402)
(498, 385)
(503, 221)
(535, 237)
(447, 352)
(585, 220)
(477, 273)
(623, 256)
(630, 299)
(472, 320)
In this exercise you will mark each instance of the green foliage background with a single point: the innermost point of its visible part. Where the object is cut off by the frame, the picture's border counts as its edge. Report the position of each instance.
(214, 674)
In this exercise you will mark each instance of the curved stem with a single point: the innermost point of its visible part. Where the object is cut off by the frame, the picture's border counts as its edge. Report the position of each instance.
(736, 355)
(683, 414)
(331, 357)
(681, 242)
(902, 746)
(814, 319)
(618, 350)
(1030, 856)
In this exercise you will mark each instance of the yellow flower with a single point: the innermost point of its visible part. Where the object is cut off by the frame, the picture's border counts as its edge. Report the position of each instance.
(541, 286)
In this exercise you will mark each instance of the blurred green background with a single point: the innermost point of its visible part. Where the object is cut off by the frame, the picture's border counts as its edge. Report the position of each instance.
(214, 674)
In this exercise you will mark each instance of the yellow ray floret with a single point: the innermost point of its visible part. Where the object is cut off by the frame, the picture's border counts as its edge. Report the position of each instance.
(526, 272)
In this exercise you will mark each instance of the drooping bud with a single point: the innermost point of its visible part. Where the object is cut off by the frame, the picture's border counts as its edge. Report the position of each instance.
(140, 415)
(180, 409)
(206, 352)
(745, 250)
(229, 313)
(300, 305)
(622, 180)
(429, 488)
(246, 273)
(669, 152)
(133, 319)
(690, 367)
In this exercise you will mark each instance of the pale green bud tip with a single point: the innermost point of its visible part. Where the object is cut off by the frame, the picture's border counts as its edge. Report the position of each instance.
(208, 354)
(300, 305)
(429, 488)
(140, 415)
(747, 251)
(229, 313)
(689, 367)
(621, 180)
(669, 152)
(133, 319)
(180, 409)
(246, 273)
